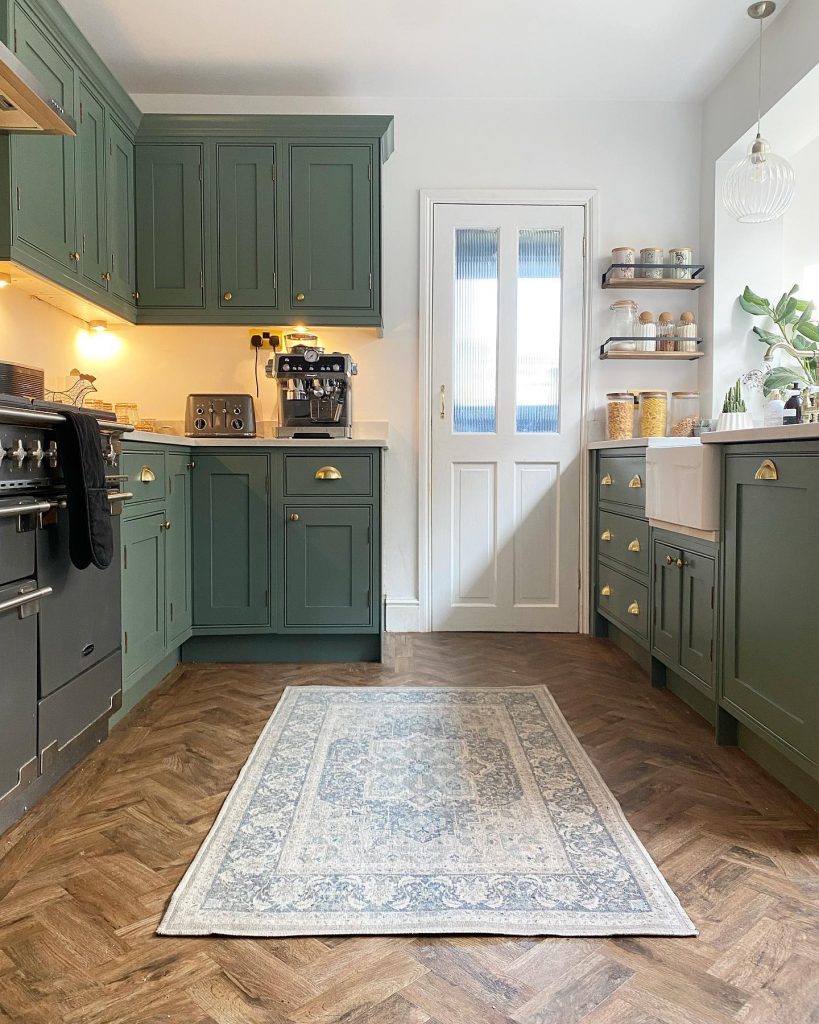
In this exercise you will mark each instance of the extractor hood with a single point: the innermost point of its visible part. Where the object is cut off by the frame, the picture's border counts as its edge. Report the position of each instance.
(25, 106)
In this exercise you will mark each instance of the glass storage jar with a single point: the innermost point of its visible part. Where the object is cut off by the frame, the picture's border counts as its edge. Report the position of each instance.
(665, 332)
(127, 412)
(653, 413)
(623, 319)
(685, 413)
(687, 333)
(619, 416)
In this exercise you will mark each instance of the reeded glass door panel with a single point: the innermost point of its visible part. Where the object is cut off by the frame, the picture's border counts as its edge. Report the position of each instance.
(475, 331)
(537, 394)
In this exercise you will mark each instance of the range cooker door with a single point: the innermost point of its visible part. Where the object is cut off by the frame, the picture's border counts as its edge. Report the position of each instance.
(18, 690)
(80, 623)
(16, 539)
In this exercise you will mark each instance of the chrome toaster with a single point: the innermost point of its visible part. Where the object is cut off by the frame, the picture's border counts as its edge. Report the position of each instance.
(220, 416)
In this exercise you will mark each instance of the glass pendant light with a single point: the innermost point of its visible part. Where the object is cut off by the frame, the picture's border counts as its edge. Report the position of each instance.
(759, 187)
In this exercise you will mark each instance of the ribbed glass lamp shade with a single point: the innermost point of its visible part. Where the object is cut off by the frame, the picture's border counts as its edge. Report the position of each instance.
(759, 187)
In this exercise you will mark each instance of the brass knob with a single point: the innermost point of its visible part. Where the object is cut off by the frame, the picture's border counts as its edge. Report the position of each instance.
(606, 480)
(299, 296)
(147, 475)
(166, 525)
(634, 608)
(636, 482)
(135, 296)
(227, 296)
(669, 560)
(605, 591)
(634, 545)
(328, 473)
(75, 256)
(681, 563)
(106, 276)
(605, 535)
(294, 517)
(767, 471)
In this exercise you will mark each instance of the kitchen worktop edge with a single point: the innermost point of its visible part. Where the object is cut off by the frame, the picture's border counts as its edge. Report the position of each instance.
(255, 442)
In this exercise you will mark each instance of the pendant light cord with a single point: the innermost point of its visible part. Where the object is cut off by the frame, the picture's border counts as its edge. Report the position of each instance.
(759, 87)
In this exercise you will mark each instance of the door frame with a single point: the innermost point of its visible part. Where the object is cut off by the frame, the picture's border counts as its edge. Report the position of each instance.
(429, 200)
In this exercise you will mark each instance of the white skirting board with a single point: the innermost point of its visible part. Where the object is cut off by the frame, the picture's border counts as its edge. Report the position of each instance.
(403, 615)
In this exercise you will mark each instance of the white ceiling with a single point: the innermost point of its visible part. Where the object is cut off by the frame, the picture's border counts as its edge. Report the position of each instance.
(538, 49)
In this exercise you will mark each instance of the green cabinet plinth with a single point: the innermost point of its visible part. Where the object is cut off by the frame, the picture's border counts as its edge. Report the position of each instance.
(143, 592)
(179, 595)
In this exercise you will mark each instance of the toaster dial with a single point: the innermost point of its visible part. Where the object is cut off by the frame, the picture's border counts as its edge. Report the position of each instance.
(237, 423)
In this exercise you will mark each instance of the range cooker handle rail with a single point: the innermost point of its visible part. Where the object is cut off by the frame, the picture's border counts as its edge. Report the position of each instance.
(36, 417)
(24, 600)
(29, 508)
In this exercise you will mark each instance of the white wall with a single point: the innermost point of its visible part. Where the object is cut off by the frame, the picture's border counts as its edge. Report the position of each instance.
(801, 225)
(641, 156)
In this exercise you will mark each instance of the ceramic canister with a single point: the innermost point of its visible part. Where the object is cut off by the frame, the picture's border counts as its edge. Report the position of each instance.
(681, 256)
(652, 258)
(623, 254)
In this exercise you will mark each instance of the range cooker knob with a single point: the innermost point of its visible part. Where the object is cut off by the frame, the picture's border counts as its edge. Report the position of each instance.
(51, 454)
(36, 453)
(18, 453)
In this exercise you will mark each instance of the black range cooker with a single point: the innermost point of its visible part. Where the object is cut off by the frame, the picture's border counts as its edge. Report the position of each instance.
(61, 668)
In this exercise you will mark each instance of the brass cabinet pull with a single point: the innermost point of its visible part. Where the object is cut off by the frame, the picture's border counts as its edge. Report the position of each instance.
(328, 473)
(299, 296)
(767, 471)
(605, 535)
(147, 475)
(227, 296)
(294, 517)
(634, 608)
(636, 482)
(606, 480)
(634, 545)
(605, 591)
(681, 563)
(669, 560)
(106, 276)
(166, 525)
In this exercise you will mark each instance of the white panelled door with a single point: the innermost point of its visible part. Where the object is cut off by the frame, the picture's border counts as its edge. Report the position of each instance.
(507, 313)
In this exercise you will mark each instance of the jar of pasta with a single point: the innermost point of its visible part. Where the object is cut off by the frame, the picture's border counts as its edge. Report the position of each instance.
(685, 413)
(653, 413)
(619, 415)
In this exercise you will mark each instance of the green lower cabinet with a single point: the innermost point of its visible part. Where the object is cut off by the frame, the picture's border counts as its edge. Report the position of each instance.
(770, 650)
(179, 595)
(231, 540)
(698, 577)
(328, 566)
(143, 592)
(667, 599)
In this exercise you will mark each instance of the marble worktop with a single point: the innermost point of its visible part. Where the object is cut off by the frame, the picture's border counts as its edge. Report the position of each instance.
(255, 442)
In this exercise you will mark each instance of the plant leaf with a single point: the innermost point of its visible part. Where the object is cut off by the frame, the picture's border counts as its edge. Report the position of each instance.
(754, 308)
(803, 304)
(767, 336)
(750, 296)
(780, 377)
(809, 331)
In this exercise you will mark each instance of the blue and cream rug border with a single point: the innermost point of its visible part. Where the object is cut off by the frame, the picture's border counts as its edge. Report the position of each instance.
(419, 810)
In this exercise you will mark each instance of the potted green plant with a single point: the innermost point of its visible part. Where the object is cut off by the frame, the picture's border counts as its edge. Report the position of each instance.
(734, 415)
(797, 338)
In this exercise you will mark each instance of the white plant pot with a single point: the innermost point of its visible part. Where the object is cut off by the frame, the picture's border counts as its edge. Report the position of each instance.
(734, 421)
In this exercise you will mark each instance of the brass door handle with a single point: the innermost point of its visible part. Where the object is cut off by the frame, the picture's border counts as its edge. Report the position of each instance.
(606, 480)
(636, 482)
(294, 517)
(767, 471)
(227, 296)
(443, 401)
(147, 475)
(328, 473)
(605, 535)
(299, 296)
(605, 591)
(634, 545)
(633, 608)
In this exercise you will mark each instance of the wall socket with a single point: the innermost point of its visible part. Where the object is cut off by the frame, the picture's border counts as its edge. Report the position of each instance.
(265, 340)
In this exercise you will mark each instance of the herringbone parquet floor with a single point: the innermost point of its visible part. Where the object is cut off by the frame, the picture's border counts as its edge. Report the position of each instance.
(85, 877)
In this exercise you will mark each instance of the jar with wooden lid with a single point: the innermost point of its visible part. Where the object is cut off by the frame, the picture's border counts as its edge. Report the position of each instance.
(685, 413)
(665, 332)
(645, 331)
(653, 413)
(652, 259)
(619, 415)
(687, 333)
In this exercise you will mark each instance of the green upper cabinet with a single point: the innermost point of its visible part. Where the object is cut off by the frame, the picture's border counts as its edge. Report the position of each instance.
(92, 197)
(43, 184)
(178, 593)
(246, 208)
(170, 241)
(331, 228)
(120, 209)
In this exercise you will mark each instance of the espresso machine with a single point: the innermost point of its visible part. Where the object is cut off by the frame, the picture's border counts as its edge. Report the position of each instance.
(315, 392)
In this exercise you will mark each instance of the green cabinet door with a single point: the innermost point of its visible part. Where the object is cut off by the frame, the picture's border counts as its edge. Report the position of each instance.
(331, 227)
(231, 541)
(178, 588)
(247, 225)
(44, 197)
(91, 189)
(327, 566)
(120, 213)
(697, 624)
(770, 650)
(143, 591)
(667, 597)
(170, 254)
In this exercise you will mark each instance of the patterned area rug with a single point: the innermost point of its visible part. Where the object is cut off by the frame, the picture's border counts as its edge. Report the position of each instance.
(400, 810)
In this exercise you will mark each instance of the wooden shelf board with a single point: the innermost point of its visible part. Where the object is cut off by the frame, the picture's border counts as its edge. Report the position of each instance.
(656, 282)
(677, 356)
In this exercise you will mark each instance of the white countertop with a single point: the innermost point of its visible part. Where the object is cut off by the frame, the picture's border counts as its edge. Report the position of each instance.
(798, 432)
(645, 442)
(256, 442)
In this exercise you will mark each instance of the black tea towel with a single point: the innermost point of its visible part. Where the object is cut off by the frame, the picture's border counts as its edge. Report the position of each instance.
(91, 537)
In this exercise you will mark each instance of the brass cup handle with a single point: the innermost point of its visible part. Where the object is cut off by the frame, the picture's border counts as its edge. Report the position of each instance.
(146, 475)
(636, 482)
(328, 473)
(633, 608)
(606, 480)
(634, 545)
(227, 296)
(294, 517)
(299, 296)
(605, 591)
(767, 471)
(605, 535)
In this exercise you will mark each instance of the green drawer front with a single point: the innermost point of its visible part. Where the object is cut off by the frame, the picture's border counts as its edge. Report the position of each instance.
(623, 480)
(146, 475)
(626, 601)
(623, 539)
(328, 476)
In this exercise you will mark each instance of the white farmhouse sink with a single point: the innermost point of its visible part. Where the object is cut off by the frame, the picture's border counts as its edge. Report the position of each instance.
(682, 483)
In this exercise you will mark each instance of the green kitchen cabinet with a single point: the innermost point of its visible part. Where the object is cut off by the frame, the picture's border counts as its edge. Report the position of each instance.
(43, 171)
(143, 591)
(92, 193)
(231, 540)
(179, 595)
(770, 650)
(246, 182)
(169, 221)
(120, 213)
(328, 566)
(667, 597)
(332, 213)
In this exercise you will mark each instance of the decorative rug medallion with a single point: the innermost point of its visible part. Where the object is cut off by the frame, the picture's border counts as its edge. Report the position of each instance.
(396, 810)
